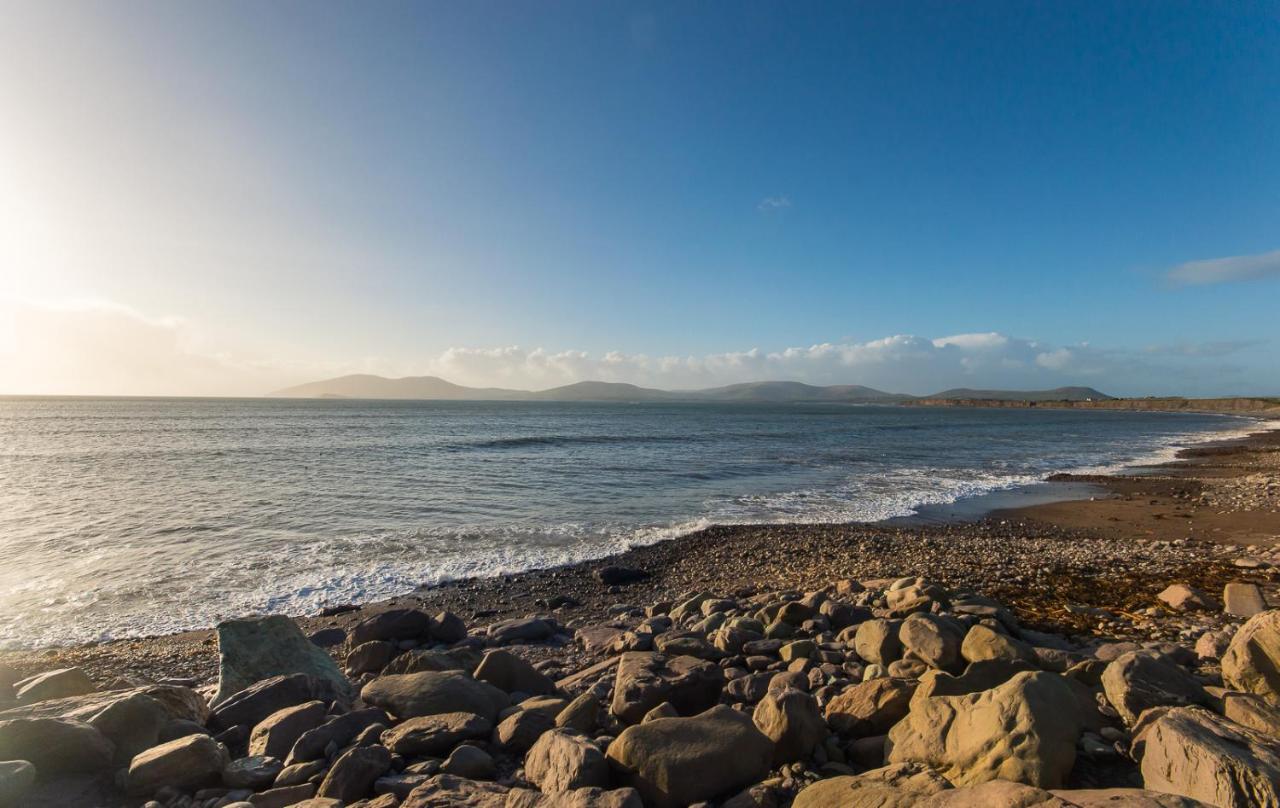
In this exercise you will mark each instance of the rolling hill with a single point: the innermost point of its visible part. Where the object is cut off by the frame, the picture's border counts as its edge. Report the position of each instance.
(1056, 394)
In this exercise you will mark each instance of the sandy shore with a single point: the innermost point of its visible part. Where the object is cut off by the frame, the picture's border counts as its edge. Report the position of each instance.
(1057, 563)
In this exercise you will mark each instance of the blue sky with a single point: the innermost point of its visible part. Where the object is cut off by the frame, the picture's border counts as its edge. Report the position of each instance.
(233, 196)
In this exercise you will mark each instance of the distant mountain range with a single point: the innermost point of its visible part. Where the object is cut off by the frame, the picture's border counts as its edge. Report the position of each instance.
(434, 388)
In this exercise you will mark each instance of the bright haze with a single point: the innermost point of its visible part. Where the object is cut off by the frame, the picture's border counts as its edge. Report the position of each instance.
(230, 198)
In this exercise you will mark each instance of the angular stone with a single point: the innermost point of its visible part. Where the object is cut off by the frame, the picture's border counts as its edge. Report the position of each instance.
(506, 671)
(644, 680)
(1249, 711)
(55, 745)
(520, 730)
(435, 735)
(422, 661)
(562, 760)
(132, 723)
(369, 657)
(1181, 598)
(276, 734)
(1252, 661)
(679, 761)
(449, 791)
(352, 775)
(393, 624)
(1024, 731)
(1243, 599)
(870, 708)
(1139, 680)
(582, 714)
(434, 692)
(257, 648)
(56, 684)
(1191, 752)
(189, 762)
(792, 720)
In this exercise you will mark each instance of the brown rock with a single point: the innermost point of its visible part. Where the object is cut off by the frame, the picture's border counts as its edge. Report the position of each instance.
(870, 708)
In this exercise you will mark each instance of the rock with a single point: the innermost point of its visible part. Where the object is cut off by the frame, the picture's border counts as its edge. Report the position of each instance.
(448, 791)
(978, 676)
(258, 648)
(679, 761)
(252, 705)
(422, 661)
(524, 629)
(56, 684)
(663, 710)
(284, 797)
(1125, 798)
(1191, 752)
(792, 720)
(433, 692)
(508, 672)
(469, 762)
(644, 680)
(1243, 599)
(132, 723)
(1212, 644)
(337, 732)
(1024, 730)
(870, 708)
(903, 785)
(1181, 598)
(562, 759)
(189, 762)
(932, 639)
(435, 735)
(615, 576)
(1248, 710)
(55, 745)
(876, 641)
(369, 657)
(982, 644)
(16, 778)
(179, 702)
(520, 730)
(1252, 661)
(1140, 680)
(255, 772)
(996, 794)
(582, 714)
(297, 773)
(276, 734)
(328, 637)
(394, 624)
(352, 775)
(448, 628)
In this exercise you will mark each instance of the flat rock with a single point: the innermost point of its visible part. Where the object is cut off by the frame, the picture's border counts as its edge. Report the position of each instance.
(1181, 598)
(252, 705)
(523, 629)
(1024, 731)
(675, 762)
(644, 680)
(434, 692)
(1194, 753)
(1243, 599)
(257, 648)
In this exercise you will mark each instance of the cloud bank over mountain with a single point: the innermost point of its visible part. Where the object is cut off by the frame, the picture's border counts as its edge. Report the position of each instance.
(96, 348)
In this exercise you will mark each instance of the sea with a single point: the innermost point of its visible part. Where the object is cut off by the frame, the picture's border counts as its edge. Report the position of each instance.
(134, 517)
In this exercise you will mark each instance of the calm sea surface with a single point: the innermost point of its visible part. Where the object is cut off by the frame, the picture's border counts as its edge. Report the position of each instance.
(127, 517)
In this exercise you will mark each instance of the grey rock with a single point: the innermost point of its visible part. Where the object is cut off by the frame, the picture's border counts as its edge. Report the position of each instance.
(258, 648)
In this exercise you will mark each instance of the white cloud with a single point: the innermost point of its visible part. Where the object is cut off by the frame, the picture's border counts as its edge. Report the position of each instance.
(771, 204)
(1226, 270)
(103, 348)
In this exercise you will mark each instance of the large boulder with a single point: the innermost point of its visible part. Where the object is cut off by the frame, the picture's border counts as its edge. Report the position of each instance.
(562, 760)
(55, 745)
(644, 680)
(1194, 753)
(876, 641)
(792, 720)
(1248, 710)
(1252, 661)
(190, 762)
(870, 708)
(352, 775)
(257, 648)
(933, 640)
(56, 684)
(179, 702)
(1139, 680)
(1024, 730)
(253, 704)
(276, 734)
(435, 735)
(506, 671)
(520, 730)
(132, 724)
(1125, 798)
(393, 624)
(521, 629)
(337, 732)
(982, 644)
(902, 785)
(679, 761)
(995, 794)
(433, 692)
(16, 779)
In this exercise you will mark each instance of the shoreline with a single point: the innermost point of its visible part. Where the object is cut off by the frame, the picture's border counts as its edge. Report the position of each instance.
(977, 541)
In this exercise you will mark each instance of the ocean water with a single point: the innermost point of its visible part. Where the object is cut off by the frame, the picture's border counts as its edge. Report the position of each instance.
(130, 517)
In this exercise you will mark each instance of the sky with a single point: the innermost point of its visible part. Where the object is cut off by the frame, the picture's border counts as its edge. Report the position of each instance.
(228, 198)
